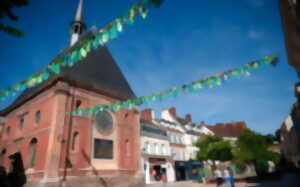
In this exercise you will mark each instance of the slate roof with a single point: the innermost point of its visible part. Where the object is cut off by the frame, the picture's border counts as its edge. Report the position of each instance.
(97, 72)
(152, 130)
(227, 129)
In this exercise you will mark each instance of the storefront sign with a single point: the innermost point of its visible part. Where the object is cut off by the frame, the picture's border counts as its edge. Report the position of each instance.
(157, 161)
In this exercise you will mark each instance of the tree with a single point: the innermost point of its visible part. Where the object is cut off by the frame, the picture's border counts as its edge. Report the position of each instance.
(214, 148)
(6, 7)
(252, 147)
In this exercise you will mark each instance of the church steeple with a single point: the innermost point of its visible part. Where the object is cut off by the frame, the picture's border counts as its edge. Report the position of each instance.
(77, 26)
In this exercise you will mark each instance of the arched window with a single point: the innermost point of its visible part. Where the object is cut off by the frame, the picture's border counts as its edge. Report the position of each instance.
(127, 146)
(2, 156)
(38, 117)
(78, 104)
(75, 141)
(21, 123)
(32, 152)
(76, 29)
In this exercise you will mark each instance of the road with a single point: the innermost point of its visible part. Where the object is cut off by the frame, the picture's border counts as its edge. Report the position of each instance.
(192, 184)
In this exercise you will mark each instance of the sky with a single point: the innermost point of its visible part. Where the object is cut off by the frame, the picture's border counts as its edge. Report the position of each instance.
(178, 43)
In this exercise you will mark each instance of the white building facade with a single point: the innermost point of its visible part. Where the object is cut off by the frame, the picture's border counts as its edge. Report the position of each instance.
(155, 153)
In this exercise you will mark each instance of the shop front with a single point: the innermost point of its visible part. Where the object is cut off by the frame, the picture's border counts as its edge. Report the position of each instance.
(187, 170)
(180, 170)
(193, 167)
(155, 167)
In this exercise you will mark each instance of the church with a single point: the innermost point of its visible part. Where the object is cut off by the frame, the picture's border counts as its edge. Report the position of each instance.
(59, 149)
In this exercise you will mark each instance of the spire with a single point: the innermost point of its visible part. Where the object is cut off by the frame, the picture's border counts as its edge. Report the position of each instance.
(77, 26)
(79, 13)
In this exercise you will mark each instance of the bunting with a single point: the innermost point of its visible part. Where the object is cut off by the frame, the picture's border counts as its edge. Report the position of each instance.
(104, 35)
(210, 82)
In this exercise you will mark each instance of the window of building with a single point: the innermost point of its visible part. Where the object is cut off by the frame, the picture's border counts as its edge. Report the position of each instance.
(163, 149)
(7, 131)
(103, 149)
(78, 104)
(155, 148)
(159, 149)
(1, 127)
(172, 138)
(104, 122)
(147, 147)
(152, 149)
(127, 146)
(2, 156)
(38, 117)
(75, 141)
(21, 122)
(32, 152)
(76, 29)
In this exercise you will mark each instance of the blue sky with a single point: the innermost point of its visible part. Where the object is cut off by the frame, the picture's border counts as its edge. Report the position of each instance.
(181, 42)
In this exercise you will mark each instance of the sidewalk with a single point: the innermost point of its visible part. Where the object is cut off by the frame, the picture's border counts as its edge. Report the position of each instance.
(192, 184)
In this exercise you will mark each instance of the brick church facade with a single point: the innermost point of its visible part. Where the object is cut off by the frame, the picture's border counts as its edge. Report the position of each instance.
(60, 149)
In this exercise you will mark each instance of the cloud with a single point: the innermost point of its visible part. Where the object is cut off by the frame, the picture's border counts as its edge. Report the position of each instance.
(255, 35)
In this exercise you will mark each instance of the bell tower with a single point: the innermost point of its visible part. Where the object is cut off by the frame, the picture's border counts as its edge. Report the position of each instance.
(77, 26)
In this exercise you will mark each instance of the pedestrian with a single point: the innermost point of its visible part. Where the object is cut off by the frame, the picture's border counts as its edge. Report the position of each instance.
(227, 177)
(3, 177)
(16, 176)
(163, 179)
(218, 176)
(231, 174)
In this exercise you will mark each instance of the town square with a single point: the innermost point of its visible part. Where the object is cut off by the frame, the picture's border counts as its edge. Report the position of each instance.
(149, 93)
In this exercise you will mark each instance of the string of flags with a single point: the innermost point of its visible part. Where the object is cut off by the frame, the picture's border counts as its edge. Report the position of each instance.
(209, 82)
(109, 32)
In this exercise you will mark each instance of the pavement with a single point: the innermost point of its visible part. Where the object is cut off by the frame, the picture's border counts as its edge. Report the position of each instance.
(192, 184)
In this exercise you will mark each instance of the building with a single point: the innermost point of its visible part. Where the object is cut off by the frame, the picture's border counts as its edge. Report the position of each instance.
(155, 150)
(58, 148)
(228, 131)
(290, 14)
(182, 133)
(290, 133)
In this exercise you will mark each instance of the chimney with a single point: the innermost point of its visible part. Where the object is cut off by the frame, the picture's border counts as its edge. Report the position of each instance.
(148, 115)
(172, 111)
(188, 117)
(202, 123)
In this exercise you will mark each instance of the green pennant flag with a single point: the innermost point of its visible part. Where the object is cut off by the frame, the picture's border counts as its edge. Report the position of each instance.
(83, 52)
(255, 65)
(116, 107)
(17, 87)
(119, 26)
(45, 75)
(157, 3)
(144, 12)
(31, 81)
(88, 47)
(114, 32)
(105, 36)
(55, 68)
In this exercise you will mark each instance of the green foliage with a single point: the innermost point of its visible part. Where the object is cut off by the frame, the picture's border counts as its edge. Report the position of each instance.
(261, 167)
(240, 167)
(6, 7)
(270, 139)
(214, 148)
(253, 148)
